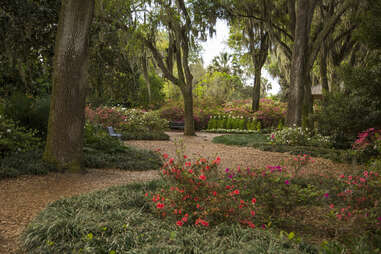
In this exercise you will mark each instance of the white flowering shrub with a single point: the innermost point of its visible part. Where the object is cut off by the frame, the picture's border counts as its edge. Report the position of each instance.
(299, 136)
(140, 121)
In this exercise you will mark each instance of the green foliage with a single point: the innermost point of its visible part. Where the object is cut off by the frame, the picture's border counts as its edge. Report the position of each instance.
(96, 138)
(26, 163)
(145, 136)
(129, 159)
(30, 113)
(119, 219)
(242, 139)
(14, 139)
(299, 136)
(140, 121)
(103, 151)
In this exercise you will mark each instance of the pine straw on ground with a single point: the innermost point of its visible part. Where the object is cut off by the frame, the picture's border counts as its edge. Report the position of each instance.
(23, 198)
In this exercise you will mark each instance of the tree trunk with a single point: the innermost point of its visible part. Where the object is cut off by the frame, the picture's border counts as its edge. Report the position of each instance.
(256, 89)
(64, 145)
(308, 102)
(299, 60)
(323, 70)
(189, 129)
(146, 77)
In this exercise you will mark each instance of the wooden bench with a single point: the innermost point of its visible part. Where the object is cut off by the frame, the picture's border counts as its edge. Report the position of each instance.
(112, 133)
(176, 125)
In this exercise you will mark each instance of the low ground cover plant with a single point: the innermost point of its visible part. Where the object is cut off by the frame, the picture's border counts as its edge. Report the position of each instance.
(120, 220)
(100, 151)
(198, 208)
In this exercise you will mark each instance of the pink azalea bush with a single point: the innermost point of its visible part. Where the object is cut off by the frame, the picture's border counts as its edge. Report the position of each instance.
(198, 196)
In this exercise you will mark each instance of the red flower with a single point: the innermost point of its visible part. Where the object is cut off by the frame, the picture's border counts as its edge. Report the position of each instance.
(236, 192)
(185, 157)
(190, 171)
(165, 156)
(171, 160)
(214, 193)
(202, 177)
(252, 213)
(179, 223)
(160, 205)
(188, 164)
(146, 194)
(254, 200)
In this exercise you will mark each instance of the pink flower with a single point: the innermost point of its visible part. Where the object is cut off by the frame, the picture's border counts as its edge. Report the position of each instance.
(286, 182)
(202, 177)
(332, 206)
(165, 156)
(326, 195)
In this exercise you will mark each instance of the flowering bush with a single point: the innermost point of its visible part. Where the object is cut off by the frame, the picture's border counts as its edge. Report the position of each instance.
(104, 116)
(197, 195)
(367, 138)
(356, 203)
(298, 136)
(142, 121)
(271, 112)
(15, 139)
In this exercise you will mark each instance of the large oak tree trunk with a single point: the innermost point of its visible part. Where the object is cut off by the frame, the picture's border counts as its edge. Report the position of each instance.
(189, 129)
(299, 62)
(64, 145)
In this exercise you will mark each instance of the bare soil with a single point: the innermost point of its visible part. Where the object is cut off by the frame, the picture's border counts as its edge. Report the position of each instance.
(22, 198)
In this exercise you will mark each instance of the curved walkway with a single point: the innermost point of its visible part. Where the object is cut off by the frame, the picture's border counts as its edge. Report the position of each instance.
(21, 199)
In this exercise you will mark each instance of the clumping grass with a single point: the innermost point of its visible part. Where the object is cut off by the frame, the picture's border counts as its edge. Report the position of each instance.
(145, 136)
(28, 163)
(119, 220)
(129, 158)
(261, 142)
(125, 158)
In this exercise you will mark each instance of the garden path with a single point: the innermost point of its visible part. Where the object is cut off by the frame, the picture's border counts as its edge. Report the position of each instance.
(23, 198)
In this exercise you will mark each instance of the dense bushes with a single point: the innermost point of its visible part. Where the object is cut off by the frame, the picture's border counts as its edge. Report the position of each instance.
(298, 136)
(14, 139)
(28, 112)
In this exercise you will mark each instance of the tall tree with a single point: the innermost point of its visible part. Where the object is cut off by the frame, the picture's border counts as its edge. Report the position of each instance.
(64, 145)
(185, 24)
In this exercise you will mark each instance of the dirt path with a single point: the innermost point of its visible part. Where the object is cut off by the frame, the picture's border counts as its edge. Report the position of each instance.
(21, 199)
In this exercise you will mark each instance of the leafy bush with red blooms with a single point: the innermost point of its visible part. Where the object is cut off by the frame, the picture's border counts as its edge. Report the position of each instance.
(367, 138)
(104, 116)
(197, 195)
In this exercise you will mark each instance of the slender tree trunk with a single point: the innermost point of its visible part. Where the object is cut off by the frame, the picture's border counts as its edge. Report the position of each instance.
(323, 70)
(189, 129)
(146, 77)
(299, 61)
(256, 90)
(64, 145)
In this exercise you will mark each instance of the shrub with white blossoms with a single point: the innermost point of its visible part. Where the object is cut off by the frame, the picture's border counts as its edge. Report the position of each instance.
(299, 136)
(142, 121)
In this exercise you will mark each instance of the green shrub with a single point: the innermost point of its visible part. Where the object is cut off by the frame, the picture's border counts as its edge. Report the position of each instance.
(27, 163)
(14, 139)
(97, 138)
(299, 136)
(128, 159)
(30, 113)
(140, 121)
(144, 136)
